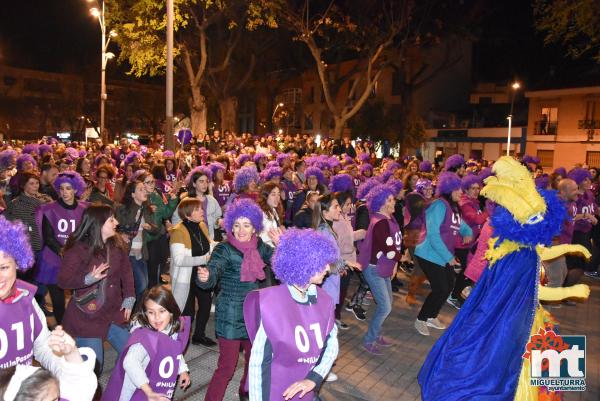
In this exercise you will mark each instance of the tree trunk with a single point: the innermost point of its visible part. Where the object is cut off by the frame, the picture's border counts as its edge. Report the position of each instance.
(198, 112)
(338, 128)
(228, 108)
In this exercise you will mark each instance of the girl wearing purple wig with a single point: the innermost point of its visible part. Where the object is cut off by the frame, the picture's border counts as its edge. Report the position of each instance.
(239, 265)
(297, 305)
(436, 253)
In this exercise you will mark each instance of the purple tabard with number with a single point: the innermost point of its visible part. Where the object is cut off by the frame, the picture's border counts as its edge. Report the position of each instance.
(385, 263)
(566, 233)
(289, 189)
(19, 327)
(450, 227)
(222, 192)
(163, 368)
(64, 222)
(356, 181)
(585, 205)
(297, 334)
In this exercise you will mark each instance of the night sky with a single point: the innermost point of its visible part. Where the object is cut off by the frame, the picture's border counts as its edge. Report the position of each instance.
(61, 36)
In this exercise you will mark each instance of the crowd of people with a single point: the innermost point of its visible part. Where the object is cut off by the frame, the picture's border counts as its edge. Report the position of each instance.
(134, 245)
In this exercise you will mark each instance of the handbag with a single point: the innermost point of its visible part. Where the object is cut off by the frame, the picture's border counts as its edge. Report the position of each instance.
(91, 299)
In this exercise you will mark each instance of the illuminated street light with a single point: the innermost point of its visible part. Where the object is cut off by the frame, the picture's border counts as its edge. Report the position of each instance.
(515, 86)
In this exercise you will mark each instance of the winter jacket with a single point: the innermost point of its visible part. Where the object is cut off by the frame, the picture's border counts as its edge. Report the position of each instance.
(213, 214)
(126, 216)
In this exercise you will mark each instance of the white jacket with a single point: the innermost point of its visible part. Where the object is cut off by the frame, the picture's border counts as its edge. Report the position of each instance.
(213, 213)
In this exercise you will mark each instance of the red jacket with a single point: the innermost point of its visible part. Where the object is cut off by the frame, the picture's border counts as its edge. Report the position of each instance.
(119, 286)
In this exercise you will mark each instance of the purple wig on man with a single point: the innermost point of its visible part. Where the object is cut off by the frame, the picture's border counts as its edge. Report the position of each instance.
(293, 265)
(426, 166)
(15, 243)
(561, 171)
(24, 158)
(241, 208)
(579, 175)
(269, 173)
(454, 162)
(341, 183)
(364, 167)
(315, 172)
(469, 180)
(365, 187)
(377, 196)
(72, 178)
(244, 176)
(7, 159)
(395, 184)
(447, 182)
(198, 172)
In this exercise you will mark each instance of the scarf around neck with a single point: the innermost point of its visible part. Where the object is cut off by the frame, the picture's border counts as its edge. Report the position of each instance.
(252, 264)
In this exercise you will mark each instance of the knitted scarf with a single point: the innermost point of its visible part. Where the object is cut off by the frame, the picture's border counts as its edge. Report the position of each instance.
(252, 264)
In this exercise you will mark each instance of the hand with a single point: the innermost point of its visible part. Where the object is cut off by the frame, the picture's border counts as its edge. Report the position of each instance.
(153, 208)
(593, 219)
(203, 274)
(275, 234)
(146, 226)
(126, 313)
(156, 397)
(302, 387)
(454, 262)
(63, 344)
(467, 239)
(125, 238)
(353, 265)
(580, 291)
(100, 271)
(184, 380)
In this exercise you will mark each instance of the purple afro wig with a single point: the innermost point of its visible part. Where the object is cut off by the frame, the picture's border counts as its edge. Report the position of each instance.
(315, 172)
(216, 166)
(393, 166)
(7, 159)
(365, 187)
(132, 158)
(426, 166)
(364, 157)
(258, 156)
(244, 176)
(561, 171)
(199, 171)
(82, 153)
(243, 208)
(73, 178)
(282, 157)
(364, 167)
(168, 154)
(24, 158)
(395, 184)
(485, 173)
(272, 163)
(377, 196)
(528, 159)
(72, 153)
(102, 158)
(333, 162)
(542, 182)
(385, 176)
(271, 172)
(579, 175)
(454, 162)
(293, 265)
(143, 150)
(243, 158)
(31, 149)
(423, 184)
(18, 247)
(469, 180)
(447, 182)
(341, 183)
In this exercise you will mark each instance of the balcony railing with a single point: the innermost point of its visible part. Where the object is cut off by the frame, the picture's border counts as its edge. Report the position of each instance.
(545, 127)
(588, 124)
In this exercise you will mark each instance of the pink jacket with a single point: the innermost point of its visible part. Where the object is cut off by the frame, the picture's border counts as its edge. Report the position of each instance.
(478, 262)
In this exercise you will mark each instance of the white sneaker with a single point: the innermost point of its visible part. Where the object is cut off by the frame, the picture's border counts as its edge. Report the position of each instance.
(435, 323)
(421, 327)
(331, 377)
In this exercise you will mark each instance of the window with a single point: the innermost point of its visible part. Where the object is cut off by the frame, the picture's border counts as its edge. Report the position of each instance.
(308, 121)
(546, 157)
(548, 121)
(311, 95)
(485, 100)
(323, 120)
(593, 159)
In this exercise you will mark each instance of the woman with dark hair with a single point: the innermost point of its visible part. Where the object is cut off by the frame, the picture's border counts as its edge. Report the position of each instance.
(84, 167)
(303, 218)
(172, 173)
(122, 182)
(269, 200)
(160, 179)
(315, 181)
(102, 192)
(239, 265)
(136, 223)
(221, 189)
(436, 253)
(96, 267)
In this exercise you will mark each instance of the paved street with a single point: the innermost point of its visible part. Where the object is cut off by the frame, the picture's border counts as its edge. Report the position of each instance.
(392, 377)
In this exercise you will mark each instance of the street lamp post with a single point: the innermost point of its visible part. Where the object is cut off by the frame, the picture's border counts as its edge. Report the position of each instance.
(273, 115)
(514, 87)
(99, 13)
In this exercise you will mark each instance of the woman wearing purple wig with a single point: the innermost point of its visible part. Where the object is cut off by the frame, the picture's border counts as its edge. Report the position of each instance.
(297, 305)
(436, 253)
(239, 265)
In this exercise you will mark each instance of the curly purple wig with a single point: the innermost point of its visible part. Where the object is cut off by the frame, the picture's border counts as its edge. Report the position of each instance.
(393, 166)
(168, 154)
(282, 157)
(454, 162)
(364, 157)
(365, 187)
(200, 171)
(269, 173)
(31, 149)
(132, 158)
(377, 196)
(243, 208)
(469, 180)
(542, 182)
(143, 150)
(272, 163)
(73, 178)
(216, 166)
(18, 247)
(82, 153)
(72, 153)
(243, 158)
(485, 173)
(385, 176)
(447, 182)
(315, 172)
(579, 175)
(395, 184)
(423, 184)
(528, 159)
(258, 156)
(244, 176)
(561, 171)
(426, 166)
(293, 265)
(333, 162)
(365, 167)
(24, 158)
(341, 183)
(100, 158)
(7, 159)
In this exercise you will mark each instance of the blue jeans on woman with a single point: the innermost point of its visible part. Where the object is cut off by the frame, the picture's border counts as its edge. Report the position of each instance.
(140, 276)
(381, 288)
(117, 337)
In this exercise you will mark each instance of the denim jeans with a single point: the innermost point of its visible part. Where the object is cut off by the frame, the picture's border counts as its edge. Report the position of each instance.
(117, 337)
(381, 288)
(140, 276)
